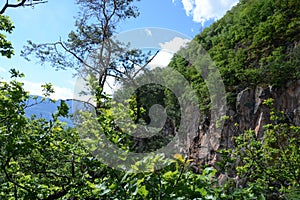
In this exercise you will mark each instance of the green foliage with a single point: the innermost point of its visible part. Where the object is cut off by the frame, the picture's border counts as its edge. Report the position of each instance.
(44, 159)
(174, 182)
(256, 42)
(270, 165)
(6, 25)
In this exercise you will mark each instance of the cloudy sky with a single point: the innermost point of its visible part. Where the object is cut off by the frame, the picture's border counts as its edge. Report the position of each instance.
(205, 10)
(180, 20)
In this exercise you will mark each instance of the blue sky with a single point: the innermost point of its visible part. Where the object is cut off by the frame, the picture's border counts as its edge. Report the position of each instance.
(53, 20)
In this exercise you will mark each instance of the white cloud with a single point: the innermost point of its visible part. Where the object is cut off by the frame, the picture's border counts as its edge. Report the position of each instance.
(163, 58)
(148, 32)
(204, 10)
(188, 6)
(174, 45)
(60, 92)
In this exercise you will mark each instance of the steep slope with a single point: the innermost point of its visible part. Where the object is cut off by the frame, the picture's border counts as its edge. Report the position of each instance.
(256, 42)
(256, 47)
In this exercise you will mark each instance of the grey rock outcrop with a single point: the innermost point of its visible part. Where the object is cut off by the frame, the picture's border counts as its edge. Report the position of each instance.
(248, 113)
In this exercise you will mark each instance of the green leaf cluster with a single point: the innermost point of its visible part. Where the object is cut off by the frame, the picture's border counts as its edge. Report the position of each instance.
(269, 165)
(6, 25)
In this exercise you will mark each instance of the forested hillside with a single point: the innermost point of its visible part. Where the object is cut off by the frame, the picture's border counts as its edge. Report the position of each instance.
(256, 48)
(255, 43)
(252, 151)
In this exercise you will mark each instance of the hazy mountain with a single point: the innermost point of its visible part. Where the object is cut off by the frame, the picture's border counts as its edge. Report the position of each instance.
(45, 109)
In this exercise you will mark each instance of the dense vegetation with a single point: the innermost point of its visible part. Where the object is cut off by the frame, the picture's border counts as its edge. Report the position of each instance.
(257, 42)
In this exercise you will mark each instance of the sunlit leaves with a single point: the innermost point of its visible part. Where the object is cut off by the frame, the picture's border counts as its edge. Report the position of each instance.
(253, 41)
(6, 48)
(270, 163)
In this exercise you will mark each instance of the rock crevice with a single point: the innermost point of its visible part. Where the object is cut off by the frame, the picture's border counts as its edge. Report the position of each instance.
(249, 113)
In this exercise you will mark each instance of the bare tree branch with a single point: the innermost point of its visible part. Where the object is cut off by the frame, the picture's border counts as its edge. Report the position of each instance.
(22, 3)
(145, 65)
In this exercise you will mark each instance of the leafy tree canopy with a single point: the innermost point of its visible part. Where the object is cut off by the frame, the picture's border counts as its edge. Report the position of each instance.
(256, 42)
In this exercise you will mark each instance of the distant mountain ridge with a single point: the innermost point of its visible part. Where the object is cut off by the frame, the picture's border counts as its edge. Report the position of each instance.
(45, 109)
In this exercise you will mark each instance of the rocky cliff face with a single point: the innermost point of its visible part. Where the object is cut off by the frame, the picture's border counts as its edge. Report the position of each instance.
(249, 113)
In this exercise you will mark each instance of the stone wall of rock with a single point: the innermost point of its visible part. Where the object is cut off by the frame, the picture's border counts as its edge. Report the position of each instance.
(248, 113)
